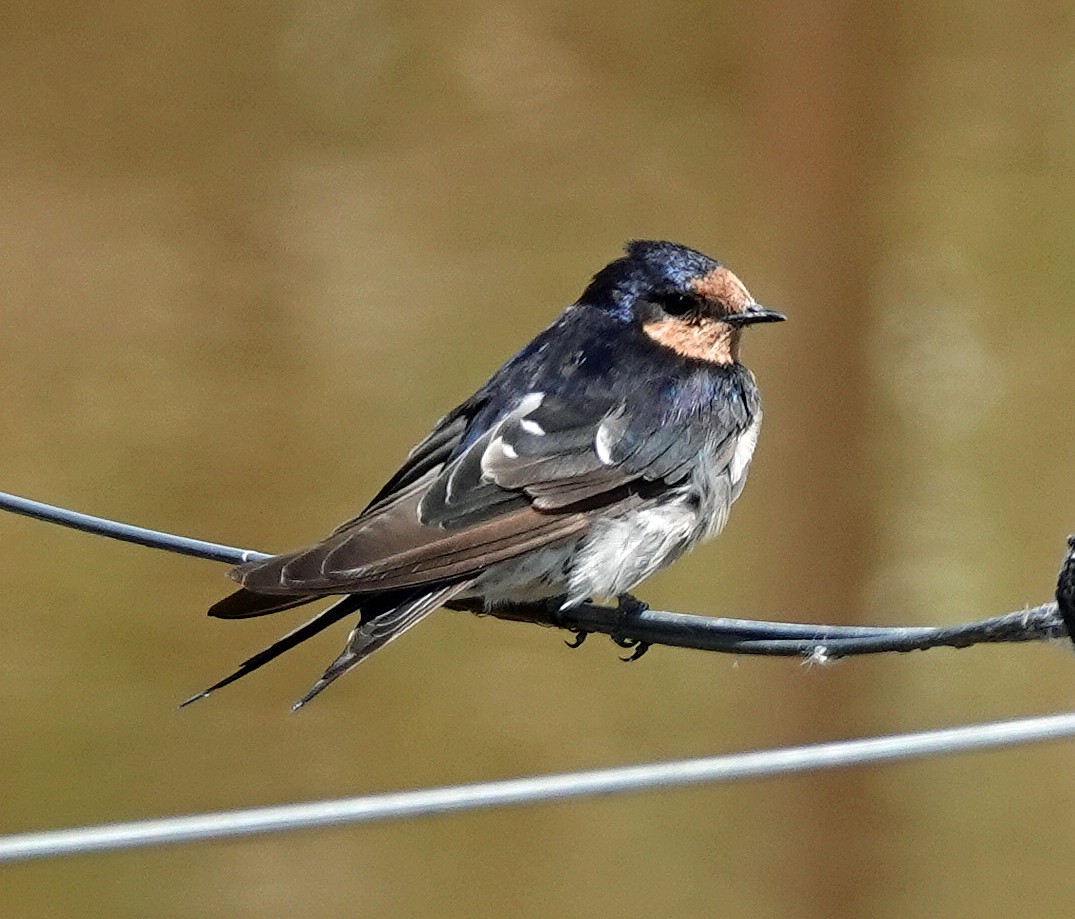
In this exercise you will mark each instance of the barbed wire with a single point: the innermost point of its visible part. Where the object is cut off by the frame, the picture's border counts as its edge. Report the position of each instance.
(643, 626)
(533, 790)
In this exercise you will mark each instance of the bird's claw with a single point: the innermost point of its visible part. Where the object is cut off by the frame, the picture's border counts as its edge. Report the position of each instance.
(640, 648)
(626, 607)
(580, 636)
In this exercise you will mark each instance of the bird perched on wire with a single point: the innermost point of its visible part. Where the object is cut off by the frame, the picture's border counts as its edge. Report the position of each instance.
(612, 443)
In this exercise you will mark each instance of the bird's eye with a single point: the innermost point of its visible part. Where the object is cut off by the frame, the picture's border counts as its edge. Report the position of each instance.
(677, 304)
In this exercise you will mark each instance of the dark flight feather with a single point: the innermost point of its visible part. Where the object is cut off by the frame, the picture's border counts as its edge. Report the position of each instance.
(343, 607)
(378, 628)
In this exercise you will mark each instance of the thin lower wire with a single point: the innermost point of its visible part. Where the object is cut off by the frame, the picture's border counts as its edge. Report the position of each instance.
(514, 792)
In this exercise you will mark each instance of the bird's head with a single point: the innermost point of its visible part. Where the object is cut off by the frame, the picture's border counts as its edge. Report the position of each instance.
(680, 298)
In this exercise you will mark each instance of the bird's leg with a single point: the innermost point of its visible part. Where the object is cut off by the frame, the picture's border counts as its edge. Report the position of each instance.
(627, 607)
(557, 610)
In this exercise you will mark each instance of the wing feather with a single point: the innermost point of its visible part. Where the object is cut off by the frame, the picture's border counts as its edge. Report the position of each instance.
(466, 499)
(377, 630)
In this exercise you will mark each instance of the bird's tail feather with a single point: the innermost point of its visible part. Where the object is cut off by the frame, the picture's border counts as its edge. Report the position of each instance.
(322, 620)
(378, 629)
(246, 604)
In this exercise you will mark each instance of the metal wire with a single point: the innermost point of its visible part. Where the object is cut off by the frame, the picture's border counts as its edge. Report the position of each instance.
(551, 788)
(817, 642)
(125, 532)
(741, 636)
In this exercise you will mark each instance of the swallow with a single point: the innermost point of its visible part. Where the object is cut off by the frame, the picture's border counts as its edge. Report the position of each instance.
(606, 448)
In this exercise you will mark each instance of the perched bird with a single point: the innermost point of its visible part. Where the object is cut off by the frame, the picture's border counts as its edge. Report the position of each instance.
(612, 443)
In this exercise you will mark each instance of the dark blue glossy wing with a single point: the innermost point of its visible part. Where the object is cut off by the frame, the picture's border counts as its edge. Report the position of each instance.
(553, 440)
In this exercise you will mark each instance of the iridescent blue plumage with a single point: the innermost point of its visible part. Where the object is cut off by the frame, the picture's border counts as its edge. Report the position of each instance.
(604, 449)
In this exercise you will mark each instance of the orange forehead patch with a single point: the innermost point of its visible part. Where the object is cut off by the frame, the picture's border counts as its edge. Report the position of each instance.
(721, 286)
(709, 340)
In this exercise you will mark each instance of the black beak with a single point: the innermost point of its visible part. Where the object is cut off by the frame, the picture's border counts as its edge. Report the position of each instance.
(752, 314)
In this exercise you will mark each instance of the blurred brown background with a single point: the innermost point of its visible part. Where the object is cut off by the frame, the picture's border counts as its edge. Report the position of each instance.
(250, 254)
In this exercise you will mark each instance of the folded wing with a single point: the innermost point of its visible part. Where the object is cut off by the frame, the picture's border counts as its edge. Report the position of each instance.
(461, 503)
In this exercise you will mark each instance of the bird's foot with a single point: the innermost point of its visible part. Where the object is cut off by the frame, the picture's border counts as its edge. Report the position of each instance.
(557, 608)
(580, 636)
(628, 607)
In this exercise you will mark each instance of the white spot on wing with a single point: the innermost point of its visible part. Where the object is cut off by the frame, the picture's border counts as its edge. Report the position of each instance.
(609, 433)
(504, 449)
(530, 402)
(531, 427)
(498, 450)
(744, 450)
(603, 444)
